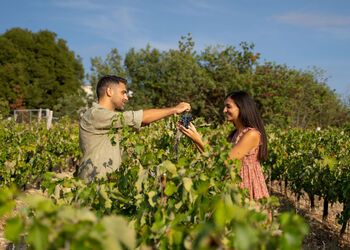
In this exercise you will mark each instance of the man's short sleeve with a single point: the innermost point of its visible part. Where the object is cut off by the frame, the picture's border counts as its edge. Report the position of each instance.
(133, 118)
(102, 118)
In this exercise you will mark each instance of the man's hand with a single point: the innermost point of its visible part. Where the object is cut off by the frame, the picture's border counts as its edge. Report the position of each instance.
(151, 115)
(181, 107)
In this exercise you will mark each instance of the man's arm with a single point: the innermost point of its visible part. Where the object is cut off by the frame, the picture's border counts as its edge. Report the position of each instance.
(151, 115)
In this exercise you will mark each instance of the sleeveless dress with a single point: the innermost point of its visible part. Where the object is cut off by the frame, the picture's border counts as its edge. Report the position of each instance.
(252, 176)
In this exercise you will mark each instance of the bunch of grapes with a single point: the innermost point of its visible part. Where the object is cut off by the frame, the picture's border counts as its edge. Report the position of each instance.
(185, 119)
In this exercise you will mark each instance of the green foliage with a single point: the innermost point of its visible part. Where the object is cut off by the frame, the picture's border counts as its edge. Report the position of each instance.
(50, 226)
(7, 202)
(187, 201)
(110, 66)
(286, 96)
(170, 198)
(37, 69)
(70, 105)
(4, 107)
(296, 98)
(165, 78)
(183, 201)
(314, 161)
(35, 151)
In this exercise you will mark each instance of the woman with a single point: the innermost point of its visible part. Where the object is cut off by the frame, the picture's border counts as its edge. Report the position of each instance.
(248, 139)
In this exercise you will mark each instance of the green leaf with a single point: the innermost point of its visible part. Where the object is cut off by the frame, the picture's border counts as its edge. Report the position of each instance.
(246, 237)
(103, 193)
(187, 183)
(14, 227)
(118, 233)
(40, 202)
(6, 200)
(220, 214)
(178, 205)
(330, 162)
(139, 149)
(182, 162)
(170, 188)
(170, 167)
(6, 207)
(67, 214)
(294, 229)
(239, 213)
(151, 194)
(142, 176)
(38, 236)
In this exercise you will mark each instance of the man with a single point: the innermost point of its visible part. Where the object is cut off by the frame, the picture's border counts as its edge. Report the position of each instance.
(100, 155)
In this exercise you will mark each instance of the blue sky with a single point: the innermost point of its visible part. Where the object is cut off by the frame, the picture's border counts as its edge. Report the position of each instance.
(299, 33)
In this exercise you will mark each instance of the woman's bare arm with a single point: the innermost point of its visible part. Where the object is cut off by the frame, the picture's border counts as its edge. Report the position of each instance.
(249, 141)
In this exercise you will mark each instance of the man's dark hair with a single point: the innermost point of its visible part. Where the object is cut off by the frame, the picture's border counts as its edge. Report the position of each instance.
(250, 118)
(105, 82)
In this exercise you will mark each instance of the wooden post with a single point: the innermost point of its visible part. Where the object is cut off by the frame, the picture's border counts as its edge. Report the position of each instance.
(39, 115)
(49, 119)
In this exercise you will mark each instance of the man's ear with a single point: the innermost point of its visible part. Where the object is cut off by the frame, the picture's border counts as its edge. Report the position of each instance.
(109, 91)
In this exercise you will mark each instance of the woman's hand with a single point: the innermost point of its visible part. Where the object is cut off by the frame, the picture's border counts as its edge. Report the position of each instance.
(192, 133)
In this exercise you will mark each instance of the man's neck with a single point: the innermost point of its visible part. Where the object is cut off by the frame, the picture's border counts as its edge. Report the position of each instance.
(106, 104)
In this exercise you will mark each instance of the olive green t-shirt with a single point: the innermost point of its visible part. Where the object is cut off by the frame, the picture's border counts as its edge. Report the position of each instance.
(100, 156)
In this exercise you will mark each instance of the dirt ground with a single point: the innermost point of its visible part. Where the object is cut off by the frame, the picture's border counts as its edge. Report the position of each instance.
(324, 235)
(3, 242)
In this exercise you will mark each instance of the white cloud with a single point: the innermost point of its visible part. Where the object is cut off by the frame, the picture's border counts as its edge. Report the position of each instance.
(111, 22)
(315, 20)
(79, 4)
(160, 45)
(112, 26)
(203, 4)
(95, 14)
(125, 16)
(198, 8)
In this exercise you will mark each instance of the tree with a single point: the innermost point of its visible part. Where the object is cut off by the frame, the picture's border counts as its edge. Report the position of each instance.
(229, 69)
(295, 98)
(112, 65)
(145, 71)
(37, 69)
(285, 96)
(4, 108)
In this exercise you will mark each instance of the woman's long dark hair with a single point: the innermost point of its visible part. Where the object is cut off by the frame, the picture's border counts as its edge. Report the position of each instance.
(250, 117)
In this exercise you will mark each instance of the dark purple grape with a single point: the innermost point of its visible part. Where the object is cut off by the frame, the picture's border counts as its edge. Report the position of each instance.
(185, 119)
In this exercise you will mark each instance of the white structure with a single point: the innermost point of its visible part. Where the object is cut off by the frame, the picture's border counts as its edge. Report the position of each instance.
(87, 89)
(31, 115)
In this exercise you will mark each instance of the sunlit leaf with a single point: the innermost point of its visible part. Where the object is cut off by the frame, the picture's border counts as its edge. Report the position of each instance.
(170, 188)
(14, 227)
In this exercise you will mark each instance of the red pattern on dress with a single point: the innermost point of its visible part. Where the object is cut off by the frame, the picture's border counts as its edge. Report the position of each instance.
(252, 176)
